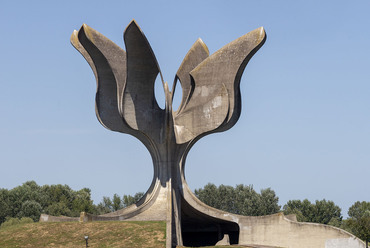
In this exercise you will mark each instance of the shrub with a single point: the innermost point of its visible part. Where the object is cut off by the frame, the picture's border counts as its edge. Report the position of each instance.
(15, 221)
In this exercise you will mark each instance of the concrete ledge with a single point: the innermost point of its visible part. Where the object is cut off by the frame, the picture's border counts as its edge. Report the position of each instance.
(50, 218)
(277, 230)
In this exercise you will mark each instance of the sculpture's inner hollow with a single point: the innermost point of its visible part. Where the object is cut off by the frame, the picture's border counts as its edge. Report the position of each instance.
(159, 92)
(177, 96)
(199, 229)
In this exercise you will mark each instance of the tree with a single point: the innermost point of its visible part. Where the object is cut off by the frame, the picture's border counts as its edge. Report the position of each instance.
(104, 207)
(359, 221)
(5, 205)
(16, 197)
(246, 201)
(269, 202)
(302, 209)
(225, 196)
(323, 211)
(208, 195)
(30, 200)
(359, 209)
(326, 212)
(58, 193)
(117, 202)
(58, 209)
(242, 199)
(108, 205)
(82, 202)
(128, 200)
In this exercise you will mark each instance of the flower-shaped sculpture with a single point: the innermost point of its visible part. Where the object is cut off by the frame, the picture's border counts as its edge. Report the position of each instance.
(125, 103)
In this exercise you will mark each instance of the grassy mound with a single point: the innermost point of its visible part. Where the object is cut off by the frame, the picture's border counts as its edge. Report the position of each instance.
(71, 234)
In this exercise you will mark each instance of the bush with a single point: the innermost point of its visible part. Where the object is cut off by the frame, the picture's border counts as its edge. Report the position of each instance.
(25, 220)
(15, 221)
(31, 209)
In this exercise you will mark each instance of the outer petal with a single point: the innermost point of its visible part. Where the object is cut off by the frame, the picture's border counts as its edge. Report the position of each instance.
(226, 67)
(216, 78)
(108, 61)
(139, 107)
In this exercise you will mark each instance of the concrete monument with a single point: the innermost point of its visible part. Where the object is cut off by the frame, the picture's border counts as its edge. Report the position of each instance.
(211, 102)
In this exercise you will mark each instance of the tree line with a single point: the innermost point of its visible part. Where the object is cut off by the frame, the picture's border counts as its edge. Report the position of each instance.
(31, 200)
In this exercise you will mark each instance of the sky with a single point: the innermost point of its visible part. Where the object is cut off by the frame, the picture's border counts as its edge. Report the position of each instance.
(304, 130)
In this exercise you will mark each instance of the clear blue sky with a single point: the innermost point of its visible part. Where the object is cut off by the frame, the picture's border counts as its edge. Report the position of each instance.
(305, 124)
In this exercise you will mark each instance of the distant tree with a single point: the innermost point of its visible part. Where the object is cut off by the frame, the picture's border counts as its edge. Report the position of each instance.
(58, 209)
(18, 196)
(302, 209)
(58, 194)
(324, 212)
(82, 202)
(359, 209)
(217, 197)
(269, 202)
(246, 200)
(104, 207)
(30, 200)
(117, 202)
(225, 196)
(5, 205)
(209, 195)
(128, 200)
(107, 202)
(242, 199)
(358, 222)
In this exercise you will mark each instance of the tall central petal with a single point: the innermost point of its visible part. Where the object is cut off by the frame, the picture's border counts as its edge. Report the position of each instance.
(139, 107)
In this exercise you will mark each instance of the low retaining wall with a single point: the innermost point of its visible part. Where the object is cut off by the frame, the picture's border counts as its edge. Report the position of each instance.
(50, 218)
(272, 230)
(277, 230)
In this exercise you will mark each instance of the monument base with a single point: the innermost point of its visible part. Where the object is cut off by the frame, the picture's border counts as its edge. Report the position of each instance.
(268, 231)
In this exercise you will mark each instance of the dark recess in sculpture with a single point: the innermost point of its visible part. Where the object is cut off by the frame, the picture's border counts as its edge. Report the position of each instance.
(211, 102)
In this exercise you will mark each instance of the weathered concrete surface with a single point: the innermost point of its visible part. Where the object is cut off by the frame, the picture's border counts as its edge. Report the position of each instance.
(276, 230)
(279, 230)
(211, 102)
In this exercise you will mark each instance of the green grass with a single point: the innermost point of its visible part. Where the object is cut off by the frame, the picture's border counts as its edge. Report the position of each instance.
(71, 234)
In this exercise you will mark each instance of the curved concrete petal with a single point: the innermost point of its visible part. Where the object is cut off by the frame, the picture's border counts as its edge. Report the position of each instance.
(197, 53)
(108, 61)
(139, 106)
(226, 67)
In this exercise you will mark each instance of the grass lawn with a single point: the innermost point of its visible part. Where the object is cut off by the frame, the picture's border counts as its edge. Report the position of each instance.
(110, 234)
(71, 234)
